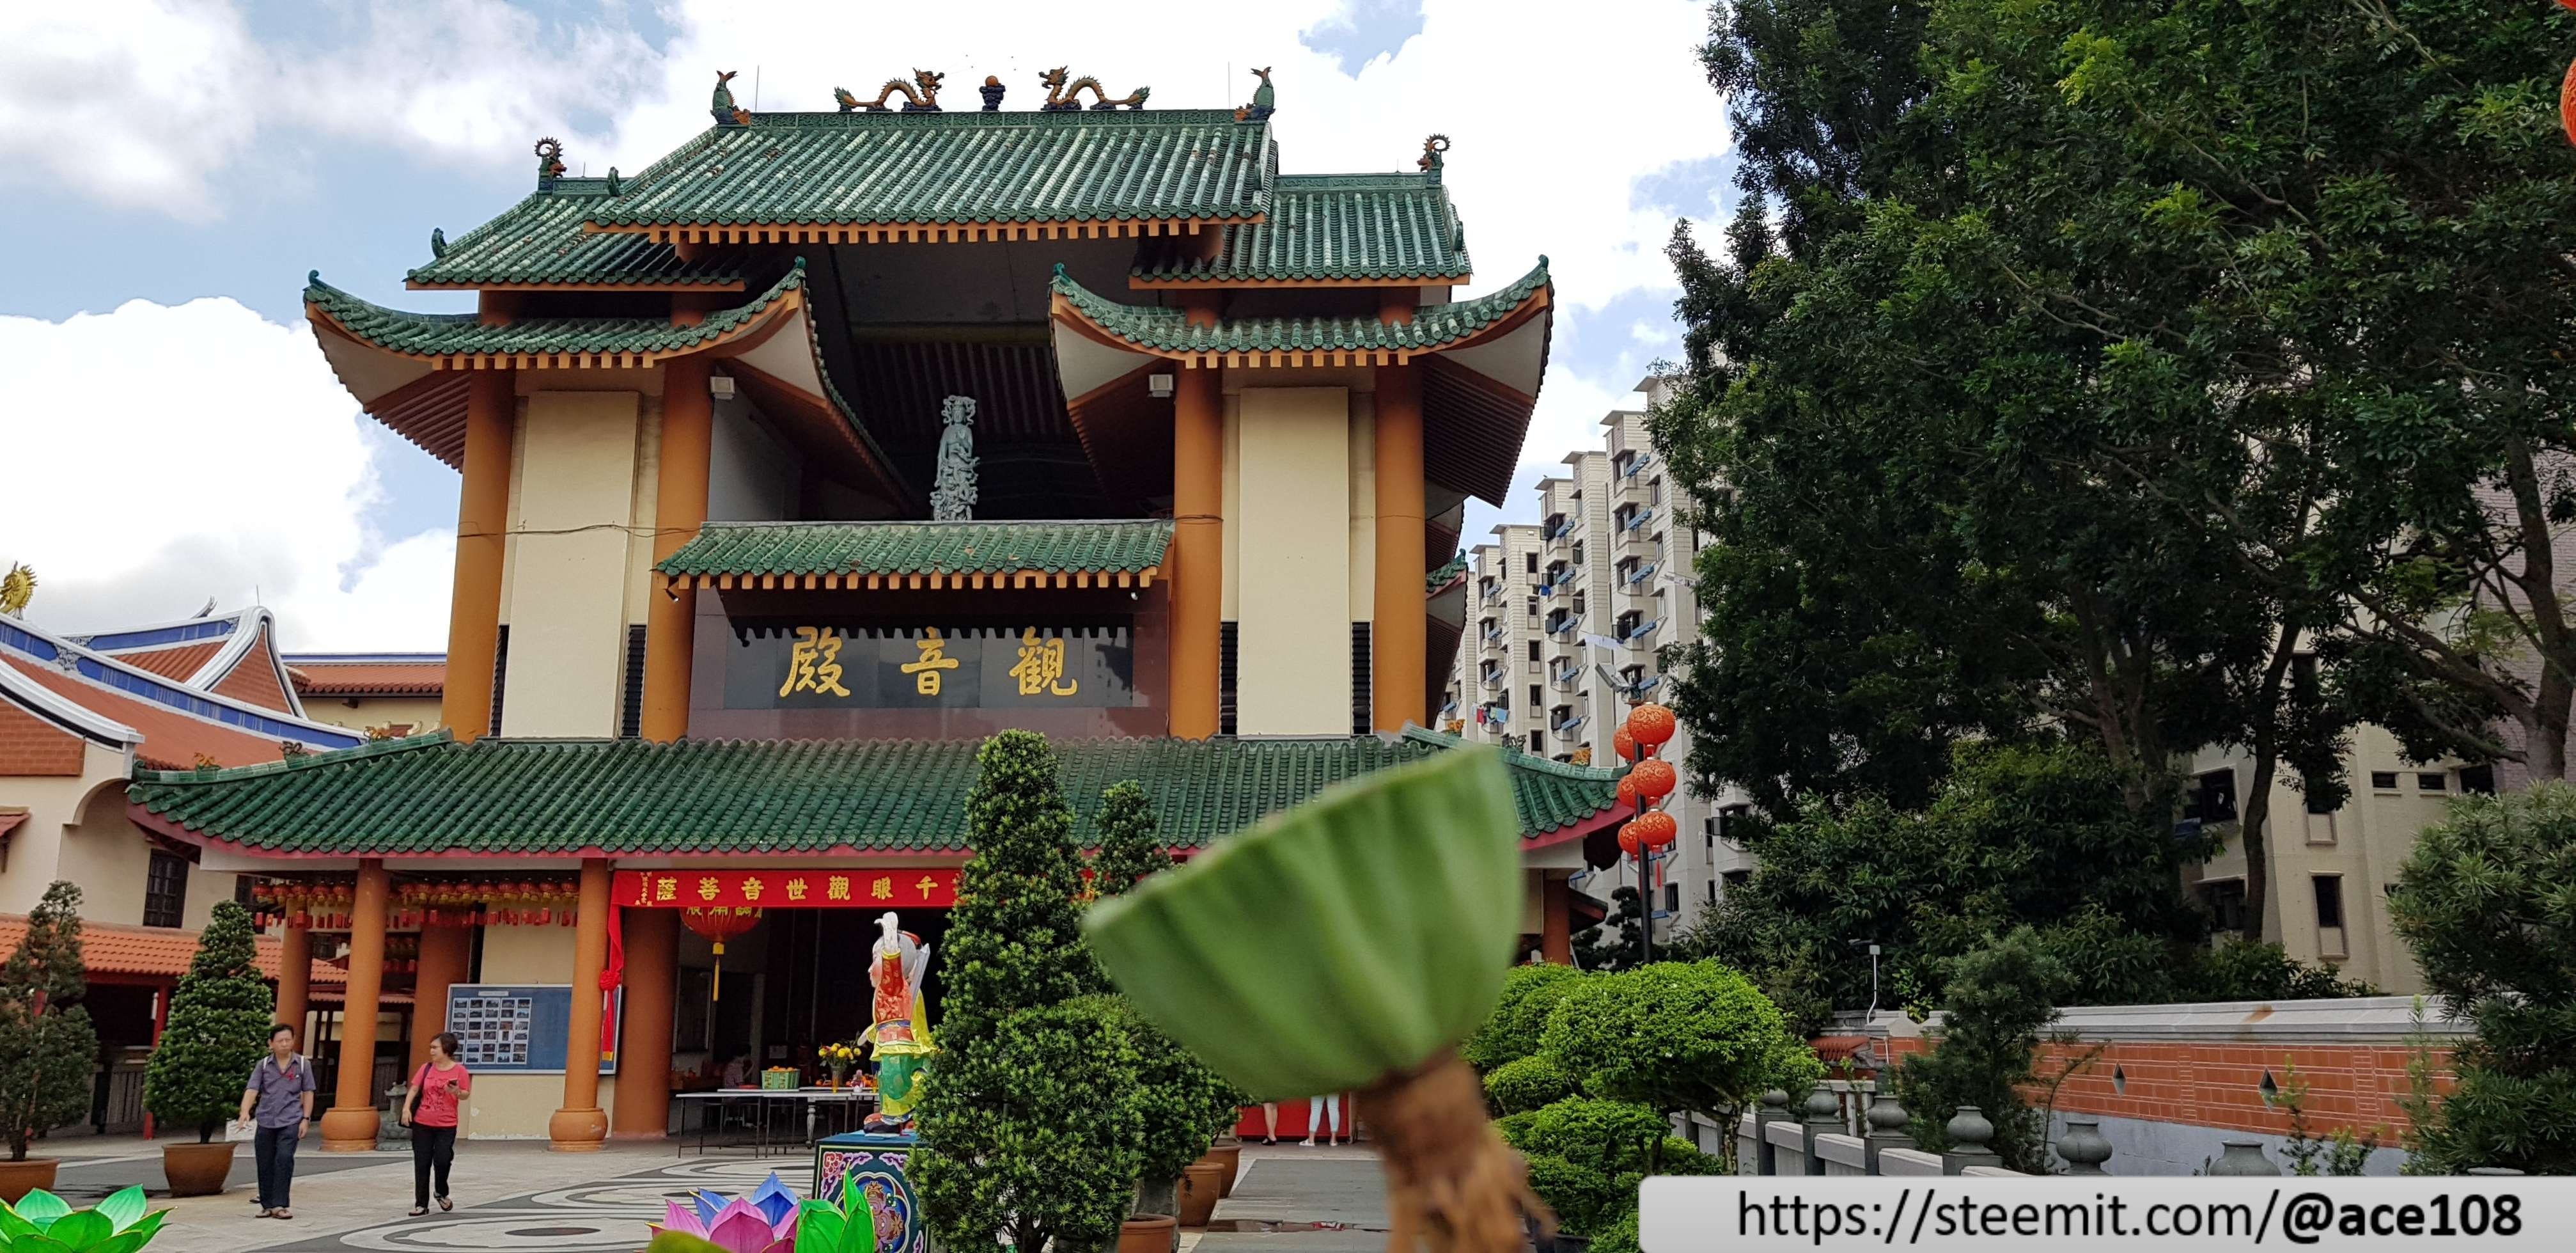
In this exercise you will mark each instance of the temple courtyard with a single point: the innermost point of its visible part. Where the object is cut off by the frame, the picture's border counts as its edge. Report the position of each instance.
(516, 1195)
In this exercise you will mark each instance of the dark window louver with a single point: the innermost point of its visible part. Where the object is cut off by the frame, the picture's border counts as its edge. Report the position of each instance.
(500, 675)
(1225, 639)
(1361, 697)
(630, 724)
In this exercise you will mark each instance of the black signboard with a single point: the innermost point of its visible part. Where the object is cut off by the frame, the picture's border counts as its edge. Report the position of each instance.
(822, 666)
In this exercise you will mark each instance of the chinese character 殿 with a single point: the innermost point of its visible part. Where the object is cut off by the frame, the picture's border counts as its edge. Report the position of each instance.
(934, 658)
(1041, 667)
(814, 664)
(836, 887)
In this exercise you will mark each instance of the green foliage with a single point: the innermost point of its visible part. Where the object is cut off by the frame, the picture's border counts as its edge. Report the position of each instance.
(47, 1045)
(1677, 1036)
(217, 1030)
(1183, 1105)
(1586, 1157)
(1131, 845)
(822, 1228)
(1030, 1110)
(44, 1223)
(2001, 999)
(1034, 1131)
(1618, 1237)
(1618, 941)
(1512, 1032)
(2240, 971)
(1527, 1083)
(2488, 902)
(2340, 1153)
(2036, 835)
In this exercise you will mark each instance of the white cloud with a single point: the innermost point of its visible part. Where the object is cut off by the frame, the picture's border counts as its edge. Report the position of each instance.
(180, 453)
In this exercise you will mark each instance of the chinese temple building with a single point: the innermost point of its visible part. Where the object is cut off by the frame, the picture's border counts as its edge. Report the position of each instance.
(803, 459)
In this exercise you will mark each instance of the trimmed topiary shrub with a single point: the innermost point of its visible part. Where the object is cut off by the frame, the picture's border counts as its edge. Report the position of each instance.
(1528, 1083)
(2002, 998)
(1512, 1032)
(1586, 1157)
(217, 1030)
(47, 1046)
(1677, 1037)
(1131, 840)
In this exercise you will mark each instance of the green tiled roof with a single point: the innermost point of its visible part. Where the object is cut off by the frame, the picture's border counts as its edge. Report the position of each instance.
(429, 794)
(1448, 570)
(1168, 329)
(1334, 226)
(1118, 546)
(963, 167)
(443, 334)
(540, 240)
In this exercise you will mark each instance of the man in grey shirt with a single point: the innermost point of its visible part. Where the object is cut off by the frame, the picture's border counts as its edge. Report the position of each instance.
(280, 1096)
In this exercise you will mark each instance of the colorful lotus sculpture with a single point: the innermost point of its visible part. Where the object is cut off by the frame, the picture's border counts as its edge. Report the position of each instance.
(1390, 907)
(770, 1220)
(43, 1221)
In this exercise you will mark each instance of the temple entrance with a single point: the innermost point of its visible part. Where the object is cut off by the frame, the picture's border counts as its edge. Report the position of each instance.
(797, 980)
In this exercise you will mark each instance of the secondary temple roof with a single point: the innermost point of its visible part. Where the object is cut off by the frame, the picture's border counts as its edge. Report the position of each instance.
(1395, 228)
(453, 340)
(429, 795)
(1168, 332)
(922, 548)
(540, 242)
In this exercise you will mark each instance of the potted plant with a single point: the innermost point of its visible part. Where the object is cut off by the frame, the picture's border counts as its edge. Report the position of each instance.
(217, 1029)
(48, 1049)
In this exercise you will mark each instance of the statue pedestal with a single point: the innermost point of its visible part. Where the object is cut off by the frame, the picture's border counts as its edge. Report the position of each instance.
(878, 1164)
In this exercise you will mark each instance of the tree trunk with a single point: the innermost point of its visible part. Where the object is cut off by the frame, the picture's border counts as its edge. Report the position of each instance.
(1158, 1196)
(2253, 834)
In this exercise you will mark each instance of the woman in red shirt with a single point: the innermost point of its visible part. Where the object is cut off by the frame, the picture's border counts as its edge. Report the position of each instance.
(430, 1111)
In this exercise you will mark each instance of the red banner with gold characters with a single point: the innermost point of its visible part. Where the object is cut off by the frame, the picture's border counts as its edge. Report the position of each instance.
(876, 888)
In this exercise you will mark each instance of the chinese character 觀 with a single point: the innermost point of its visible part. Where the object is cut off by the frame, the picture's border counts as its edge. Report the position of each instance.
(1041, 667)
(814, 664)
(934, 658)
(836, 887)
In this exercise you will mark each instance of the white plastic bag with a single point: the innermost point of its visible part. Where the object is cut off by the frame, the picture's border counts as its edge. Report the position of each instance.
(240, 1130)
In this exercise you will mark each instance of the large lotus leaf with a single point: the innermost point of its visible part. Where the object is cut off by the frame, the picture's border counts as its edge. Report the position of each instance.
(1352, 937)
(42, 1208)
(81, 1229)
(123, 1207)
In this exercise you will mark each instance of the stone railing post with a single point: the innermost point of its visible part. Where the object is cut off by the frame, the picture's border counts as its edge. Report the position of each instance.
(2083, 1147)
(2243, 1157)
(1824, 1116)
(1775, 1108)
(1969, 1134)
(1888, 1127)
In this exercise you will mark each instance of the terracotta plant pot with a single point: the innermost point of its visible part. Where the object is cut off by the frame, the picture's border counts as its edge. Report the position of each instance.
(197, 1169)
(1199, 1184)
(1146, 1233)
(1229, 1156)
(17, 1179)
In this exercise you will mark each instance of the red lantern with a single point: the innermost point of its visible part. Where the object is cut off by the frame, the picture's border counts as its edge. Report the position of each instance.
(719, 925)
(1627, 789)
(1653, 779)
(1655, 828)
(1651, 725)
(1628, 839)
(1623, 745)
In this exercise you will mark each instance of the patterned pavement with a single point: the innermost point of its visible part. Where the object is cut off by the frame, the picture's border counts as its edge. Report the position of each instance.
(608, 1214)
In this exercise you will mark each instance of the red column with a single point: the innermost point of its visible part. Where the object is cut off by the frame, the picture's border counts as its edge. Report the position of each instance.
(1555, 919)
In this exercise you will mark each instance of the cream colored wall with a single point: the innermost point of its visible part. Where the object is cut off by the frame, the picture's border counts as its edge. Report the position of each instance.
(516, 1107)
(76, 829)
(1293, 662)
(362, 712)
(1231, 502)
(53, 803)
(1363, 459)
(573, 569)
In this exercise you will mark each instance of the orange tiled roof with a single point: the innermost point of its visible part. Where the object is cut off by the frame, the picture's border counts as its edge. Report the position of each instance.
(179, 661)
(371, 678)
(110, 949)
(171, 740)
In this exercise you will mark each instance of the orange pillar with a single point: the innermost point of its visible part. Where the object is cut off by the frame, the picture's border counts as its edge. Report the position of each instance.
(1555, 919)
(1197, 570)
(445, 951)
(349, 1126)
(1396, 681)
(294, 978)
(482, 519)
(580, 1126)
(1395, 305)
(644, 1035)
(680, 508)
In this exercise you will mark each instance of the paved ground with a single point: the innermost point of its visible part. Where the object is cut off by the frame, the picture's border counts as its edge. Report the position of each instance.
(516, 1195)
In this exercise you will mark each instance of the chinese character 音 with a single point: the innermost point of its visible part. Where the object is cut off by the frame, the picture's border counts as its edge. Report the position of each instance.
(1041, 667)
(934, 658)
(814, 664)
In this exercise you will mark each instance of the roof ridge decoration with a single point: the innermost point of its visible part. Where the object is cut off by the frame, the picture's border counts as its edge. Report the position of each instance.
(921, 95)
(166, 694)
(451, 341)
(1063, 97)
(1430, 162)
(721, 104)
(550, 163)
(1265, 101)
(1293, 341)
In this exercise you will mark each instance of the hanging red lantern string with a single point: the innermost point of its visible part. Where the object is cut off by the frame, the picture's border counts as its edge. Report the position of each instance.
(1652, 779)
(719, 924)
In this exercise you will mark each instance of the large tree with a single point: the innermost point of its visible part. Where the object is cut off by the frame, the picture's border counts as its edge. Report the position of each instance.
(218, 1027)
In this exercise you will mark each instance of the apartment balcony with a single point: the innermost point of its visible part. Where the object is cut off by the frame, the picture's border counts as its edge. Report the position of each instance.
(1568, 729)
(1492, 594)
(1565, 680)
(1494, 678)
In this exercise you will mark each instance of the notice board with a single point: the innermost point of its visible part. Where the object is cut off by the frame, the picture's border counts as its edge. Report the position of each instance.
(519, 1028)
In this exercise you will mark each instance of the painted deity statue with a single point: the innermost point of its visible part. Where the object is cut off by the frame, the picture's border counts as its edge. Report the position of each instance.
(952, 489)
(899, 1023)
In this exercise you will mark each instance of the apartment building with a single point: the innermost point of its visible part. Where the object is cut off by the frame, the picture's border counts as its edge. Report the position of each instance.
(1570, 622)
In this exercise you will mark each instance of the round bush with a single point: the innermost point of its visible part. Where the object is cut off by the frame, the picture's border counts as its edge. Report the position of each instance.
(1677, 1036)
(1528, 1083)
(1512, 1032)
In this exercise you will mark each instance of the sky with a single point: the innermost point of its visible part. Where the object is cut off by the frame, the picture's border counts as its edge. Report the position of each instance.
(174, 168)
